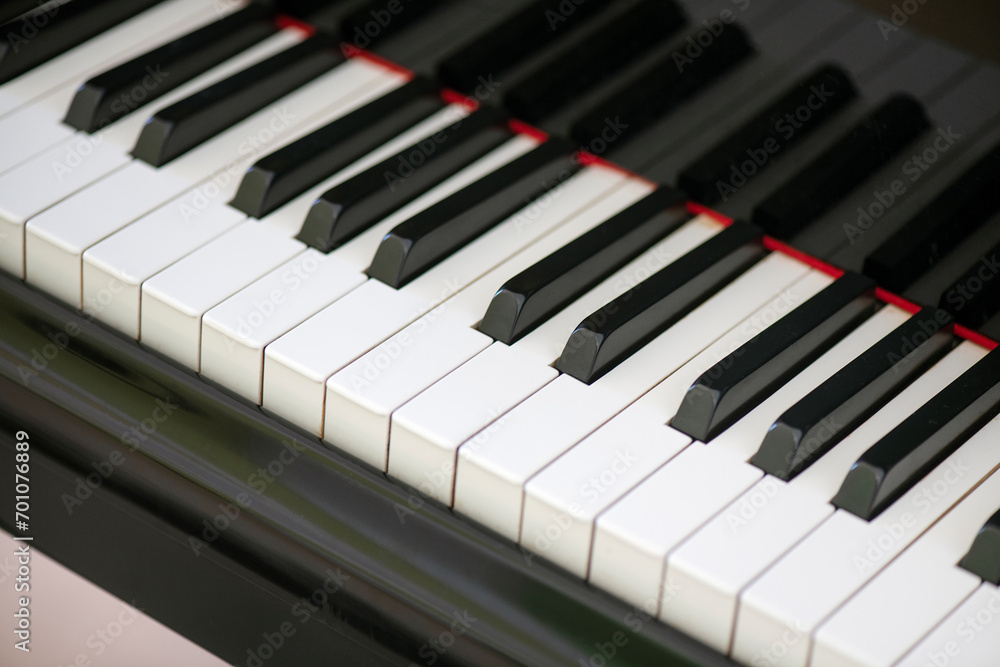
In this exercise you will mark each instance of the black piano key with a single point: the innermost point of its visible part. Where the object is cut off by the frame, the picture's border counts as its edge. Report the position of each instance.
(844, 166)
(974, 298)
(290, 171)
(923, 241)
(608, 336)
(108, 96)
(928, 436)
(778, 127)
(832, 411)
(357, 203)
(587, 63)
(737, 384)
(415, 245)
(529, 30)
(48, 30)
(541, 290)
(983, 559)
(182, 126)
(377, 20)
(655, 91)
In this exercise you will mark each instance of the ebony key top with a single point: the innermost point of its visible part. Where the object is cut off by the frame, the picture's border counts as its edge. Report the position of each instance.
(430, 236)
(832, 411)
(608, 336)
(359, 202)
(541, 290)
(288, 172)
(107, 97)
(180, 127)
(737, 384)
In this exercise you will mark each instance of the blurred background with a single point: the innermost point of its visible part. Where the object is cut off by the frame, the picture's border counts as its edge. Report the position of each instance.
(972, 25)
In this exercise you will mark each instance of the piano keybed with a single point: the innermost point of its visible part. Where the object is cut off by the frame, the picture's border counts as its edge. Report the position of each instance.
(670, 321)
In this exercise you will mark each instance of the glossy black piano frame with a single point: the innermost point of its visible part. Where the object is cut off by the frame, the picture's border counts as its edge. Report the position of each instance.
(352, 567)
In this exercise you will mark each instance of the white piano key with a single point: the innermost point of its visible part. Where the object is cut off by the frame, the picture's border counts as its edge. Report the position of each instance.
(821, 573)
(57, 238)
(232, 353)
(633, 537)
(356, 399)
(173, 301)
(235, 332)
(712, 567)
(571, 410)
(56, 81)
(114, 269)
(51, 176)
(360, 398)
(752, 532)
(967, 638)
(562, 502)
(427, 431)
(297, 365)
(911, 596)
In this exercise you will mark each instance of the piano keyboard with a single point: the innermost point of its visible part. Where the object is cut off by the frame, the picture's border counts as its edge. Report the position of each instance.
(671, 321)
